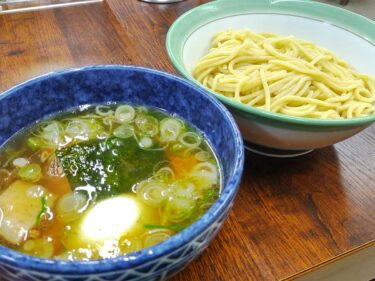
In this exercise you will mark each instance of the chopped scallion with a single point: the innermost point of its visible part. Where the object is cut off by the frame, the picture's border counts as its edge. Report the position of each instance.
(170, 227)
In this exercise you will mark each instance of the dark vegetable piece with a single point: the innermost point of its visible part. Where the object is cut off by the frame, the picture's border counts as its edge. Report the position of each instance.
(112, 166)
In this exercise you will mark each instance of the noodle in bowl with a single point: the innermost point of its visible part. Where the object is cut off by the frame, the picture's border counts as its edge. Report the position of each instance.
(285, 75)
(309, 120)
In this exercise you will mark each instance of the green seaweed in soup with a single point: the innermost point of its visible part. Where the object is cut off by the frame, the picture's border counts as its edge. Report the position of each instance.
(111, 165)
(102, 181)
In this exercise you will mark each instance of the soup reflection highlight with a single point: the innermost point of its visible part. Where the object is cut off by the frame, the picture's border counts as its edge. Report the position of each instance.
(102, 181)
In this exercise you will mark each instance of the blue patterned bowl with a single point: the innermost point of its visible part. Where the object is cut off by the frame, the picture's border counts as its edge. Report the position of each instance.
(54, 92)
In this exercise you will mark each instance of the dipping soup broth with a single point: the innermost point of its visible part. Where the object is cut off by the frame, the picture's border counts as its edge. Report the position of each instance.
(102, 181)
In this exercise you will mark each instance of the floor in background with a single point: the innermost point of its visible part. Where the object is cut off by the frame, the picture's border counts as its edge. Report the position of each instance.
(363, 7)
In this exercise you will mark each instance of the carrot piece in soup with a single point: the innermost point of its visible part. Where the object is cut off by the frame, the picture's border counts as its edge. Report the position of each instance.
(182, 165)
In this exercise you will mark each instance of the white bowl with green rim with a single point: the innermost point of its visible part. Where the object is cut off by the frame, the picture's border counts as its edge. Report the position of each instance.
(349, 35)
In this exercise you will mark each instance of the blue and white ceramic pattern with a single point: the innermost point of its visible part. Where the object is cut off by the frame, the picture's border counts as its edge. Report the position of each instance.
(34, 99)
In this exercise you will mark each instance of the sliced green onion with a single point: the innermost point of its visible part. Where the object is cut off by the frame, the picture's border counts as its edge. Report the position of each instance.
(170, 129)
(175, 227)
(77, 127)
(202, 156)
(164, 174)
(83, 129)
(190, 139)
(103, 110)
(34, 143)
(147, 125)
(70, 206)
(160, 165)
(145, 142)
(30, 172)
(177, 148)
(152, 193)
(108, 121)
(156, 236)
(205, 174)
(141, 110)
(125, 113)
(183, 189)
(53, 134)
(191, 151)
(124, 131)
(179, 209)
(206, 167)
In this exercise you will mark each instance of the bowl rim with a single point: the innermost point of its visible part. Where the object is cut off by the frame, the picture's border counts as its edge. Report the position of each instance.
(140, 258)
(199, 16)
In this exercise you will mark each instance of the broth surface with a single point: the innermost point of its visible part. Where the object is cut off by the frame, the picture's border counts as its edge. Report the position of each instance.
(101, 181)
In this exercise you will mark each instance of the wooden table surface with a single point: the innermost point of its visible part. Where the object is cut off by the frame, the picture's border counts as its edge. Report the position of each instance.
(289, 215)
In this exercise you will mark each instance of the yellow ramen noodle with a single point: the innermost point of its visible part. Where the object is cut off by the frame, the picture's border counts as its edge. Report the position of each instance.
(285, 75)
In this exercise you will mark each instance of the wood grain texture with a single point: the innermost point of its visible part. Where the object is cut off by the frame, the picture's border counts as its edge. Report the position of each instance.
(26, 5)
(289, 215)
(34, 43)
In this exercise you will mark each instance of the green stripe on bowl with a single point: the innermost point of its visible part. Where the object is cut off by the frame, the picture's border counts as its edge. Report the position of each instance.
(185, 25)
(281, 124)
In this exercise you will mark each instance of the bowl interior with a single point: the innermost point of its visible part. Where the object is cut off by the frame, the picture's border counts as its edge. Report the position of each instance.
(344, 43)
